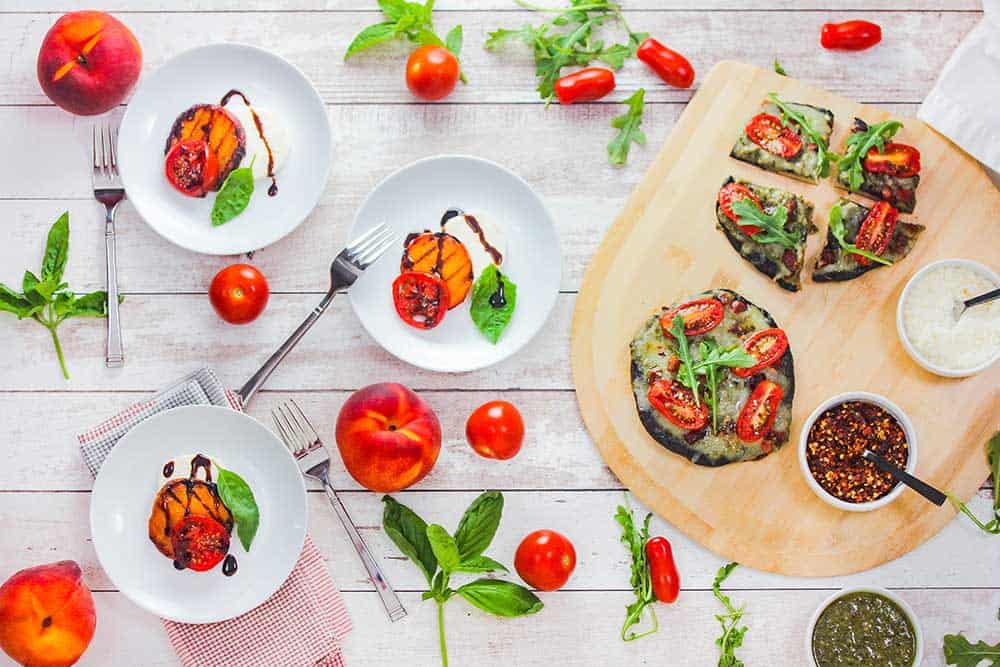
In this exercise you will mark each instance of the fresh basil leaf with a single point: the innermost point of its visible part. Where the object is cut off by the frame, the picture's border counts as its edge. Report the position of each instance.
(444, 547)
(409, 533)
(428, 38)
(56, 250)
(480, 564)
(491, 321)
(478, 525)
(393, 9)
(960, 652)
(94, 304)
(12, 302)
(238, 498)
(371, 36)
(500, 598)
(628, 129)
(234, 195)
(453, 40)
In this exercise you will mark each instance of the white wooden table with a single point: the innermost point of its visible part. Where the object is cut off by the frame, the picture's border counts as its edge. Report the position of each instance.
(558, 480)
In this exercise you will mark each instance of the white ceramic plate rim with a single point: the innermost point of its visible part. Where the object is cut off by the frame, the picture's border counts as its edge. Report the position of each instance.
(981, 269)
(895, 411)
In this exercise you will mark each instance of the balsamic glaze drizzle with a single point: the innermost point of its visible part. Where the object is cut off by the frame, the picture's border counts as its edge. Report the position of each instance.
(273, 189)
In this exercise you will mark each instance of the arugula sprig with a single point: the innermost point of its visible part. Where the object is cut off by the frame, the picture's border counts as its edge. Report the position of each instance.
(628, 129)
(685, 372)
(961, 652)
(992, 526)
(859, 143)
(772, 226)
(635, 540)
(732, 632)
(778, 69)
(826, 157)
(47, 299)
(839, 232)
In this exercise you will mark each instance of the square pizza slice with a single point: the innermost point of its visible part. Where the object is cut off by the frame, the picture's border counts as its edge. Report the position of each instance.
(879, 168)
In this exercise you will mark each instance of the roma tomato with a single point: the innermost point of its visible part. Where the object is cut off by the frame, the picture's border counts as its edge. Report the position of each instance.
(733, 192)
(876, 230)
(767, 131)
(898, 160)
(587, 85)
(676, 402)
(239, 293)
(545, 559)
(432, 72)
(495, 430)
(766, 347)
(850, 35)
(700, 316)
(757, 416)
(191, 167)
(662, 570)
(200, 543)
(669, 65)
(421, 299)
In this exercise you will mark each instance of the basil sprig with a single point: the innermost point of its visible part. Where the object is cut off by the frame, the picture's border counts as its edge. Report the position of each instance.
(823, 151)
(439, 555)
(628, 128)
(839, 231)
(234, 195)
(858, 145)
(238, 498)
(772, 226)
(47, 299)
(992, 526)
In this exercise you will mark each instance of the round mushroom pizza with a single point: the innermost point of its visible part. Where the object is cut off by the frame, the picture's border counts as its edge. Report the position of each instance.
(713, 379)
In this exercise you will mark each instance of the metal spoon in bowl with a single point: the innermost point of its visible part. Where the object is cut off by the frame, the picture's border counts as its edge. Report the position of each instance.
(961, 306)
(900, 475)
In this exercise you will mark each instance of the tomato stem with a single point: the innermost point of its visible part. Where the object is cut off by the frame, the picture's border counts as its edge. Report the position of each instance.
(444, 646)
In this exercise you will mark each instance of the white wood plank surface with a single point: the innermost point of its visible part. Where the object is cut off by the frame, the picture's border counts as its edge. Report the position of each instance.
(559, 480)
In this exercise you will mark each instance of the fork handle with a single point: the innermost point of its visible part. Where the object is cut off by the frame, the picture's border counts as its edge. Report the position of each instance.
(393, 607)
(115, 356)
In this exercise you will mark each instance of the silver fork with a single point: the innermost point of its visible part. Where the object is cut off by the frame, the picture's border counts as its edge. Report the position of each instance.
(109, 191)
(314, 461)
(344, 270)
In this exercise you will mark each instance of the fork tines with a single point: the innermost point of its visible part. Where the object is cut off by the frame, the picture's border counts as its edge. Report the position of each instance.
(105, 139)
(298, 434)
(369, 246)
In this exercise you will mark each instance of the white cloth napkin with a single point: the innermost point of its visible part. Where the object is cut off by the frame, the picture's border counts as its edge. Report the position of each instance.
(964, 104)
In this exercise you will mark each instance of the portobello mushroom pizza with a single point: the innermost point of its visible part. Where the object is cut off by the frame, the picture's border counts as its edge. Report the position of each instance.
(860, 239)
(879, 168)
(768, 227)
(713, 379)
(787, 138)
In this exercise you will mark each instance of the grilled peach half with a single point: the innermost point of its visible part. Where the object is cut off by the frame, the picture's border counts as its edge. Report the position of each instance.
(177, 499)
(444, 256)
(227, 140)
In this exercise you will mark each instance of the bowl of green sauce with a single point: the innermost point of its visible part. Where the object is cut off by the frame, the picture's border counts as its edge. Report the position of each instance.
(864, 626)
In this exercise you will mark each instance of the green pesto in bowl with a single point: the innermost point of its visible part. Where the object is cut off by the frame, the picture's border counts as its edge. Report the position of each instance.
(864, 629)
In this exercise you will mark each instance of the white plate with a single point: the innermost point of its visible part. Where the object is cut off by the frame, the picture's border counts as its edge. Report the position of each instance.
(412, 200)
(129, 480)
(202, 76)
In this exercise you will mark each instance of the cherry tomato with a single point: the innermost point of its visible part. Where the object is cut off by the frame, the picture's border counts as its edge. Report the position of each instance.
(699, 316)
(669, 65)
(432, 72)
(239, 293)
(545, 559)
(758, 414)
(850, 35)
(495, 430)
(200, 543)
(898, 160)
(766, 347)
(876, 230)
(421, 299)
(676, 402)
(662, 570)
(588, 84)
(191, 167)
(767, 131)
(733, 192)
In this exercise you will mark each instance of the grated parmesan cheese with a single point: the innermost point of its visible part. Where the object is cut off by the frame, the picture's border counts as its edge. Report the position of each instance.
(931, 327)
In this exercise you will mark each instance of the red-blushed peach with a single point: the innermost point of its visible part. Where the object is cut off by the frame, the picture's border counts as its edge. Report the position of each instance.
(47, 616)
(388, 437)
(88, 62)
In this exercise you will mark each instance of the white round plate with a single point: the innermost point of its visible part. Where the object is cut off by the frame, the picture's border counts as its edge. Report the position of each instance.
(413, 199)
(132, 475)
(202, 76)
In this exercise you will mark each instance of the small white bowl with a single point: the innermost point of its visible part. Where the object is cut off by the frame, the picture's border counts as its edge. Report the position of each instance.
(901, 329)
(891, 408)
(918, 635)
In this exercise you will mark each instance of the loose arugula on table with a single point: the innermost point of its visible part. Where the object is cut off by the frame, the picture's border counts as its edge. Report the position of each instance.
(628, 128)
(772, 225)
(991, 526)
(238, 498)
(48, 300)
(732, 632)
(489, 319)
(859, 143)
(642, 585)
(234, 195)
(839, 232)
(779, 69)
(823, 151)
(439, 555)
(961, 652)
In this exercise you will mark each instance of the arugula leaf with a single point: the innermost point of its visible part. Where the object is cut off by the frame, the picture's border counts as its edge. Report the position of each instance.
(779, 69)
(496, 39)
(732, 632)
(772, 226)
(238, 498)
(960, 652)
(478, 525)
(991, 526)
(489, 319)
(444, 547)
(500, 598)
(628, 129)
(234, 195)
(685, 372)
(822, 150)
(409, 533)
(859, 143)
(641, 581)
(713, 358)
(839, 232)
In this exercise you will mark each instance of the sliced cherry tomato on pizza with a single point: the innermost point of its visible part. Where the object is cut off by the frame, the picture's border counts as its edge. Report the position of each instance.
(699, 316)
(200, 543)
(191, 167)
(421, 299)
(898, 160)
(766, 347)
(676, 402)
(876, 230)
(734, 192)
(758, 414)
(767, 131)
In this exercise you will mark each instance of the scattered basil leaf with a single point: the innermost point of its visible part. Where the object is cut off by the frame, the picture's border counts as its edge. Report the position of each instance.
(492, 321)
(823, 151)
(409, 533)
(779, 69)
(478, 525)
(238, 498)
(960, 652)
(992, 526)
(500, 598)
(772, 226)
(234, 195)
(444, 547)
(732, 632)
(839, 232)
(628, 129)
(642, 584)
(859, 143)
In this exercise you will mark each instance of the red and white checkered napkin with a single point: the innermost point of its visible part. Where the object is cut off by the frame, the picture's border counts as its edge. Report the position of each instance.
(301, 625)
